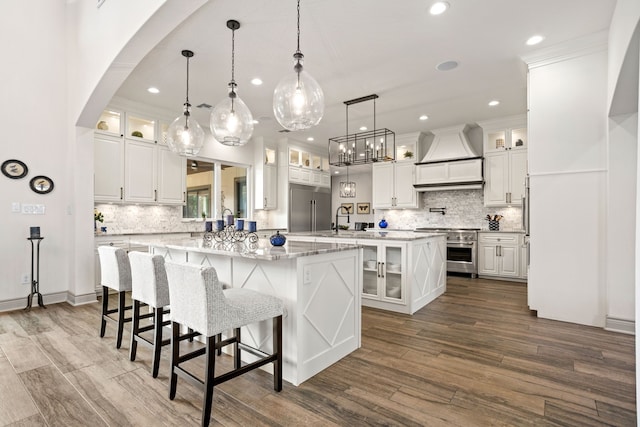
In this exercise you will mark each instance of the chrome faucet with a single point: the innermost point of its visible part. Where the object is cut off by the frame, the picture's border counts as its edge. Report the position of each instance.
(337, 215)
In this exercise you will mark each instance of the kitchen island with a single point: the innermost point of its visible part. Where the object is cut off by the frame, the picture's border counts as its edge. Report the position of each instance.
(319, 283)
(402, 270)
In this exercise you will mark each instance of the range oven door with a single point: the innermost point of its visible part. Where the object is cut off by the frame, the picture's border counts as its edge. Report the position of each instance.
(461, 257)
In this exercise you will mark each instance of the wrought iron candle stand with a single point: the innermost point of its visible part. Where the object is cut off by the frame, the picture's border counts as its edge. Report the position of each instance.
(229, 238)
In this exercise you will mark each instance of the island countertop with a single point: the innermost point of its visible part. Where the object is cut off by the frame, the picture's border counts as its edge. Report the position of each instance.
(369, 235)
(263, 249)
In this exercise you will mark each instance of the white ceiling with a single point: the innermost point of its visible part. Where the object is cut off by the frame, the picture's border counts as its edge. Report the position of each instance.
(355, 48)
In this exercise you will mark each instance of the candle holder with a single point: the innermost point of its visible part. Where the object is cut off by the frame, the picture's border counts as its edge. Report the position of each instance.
(231, 238)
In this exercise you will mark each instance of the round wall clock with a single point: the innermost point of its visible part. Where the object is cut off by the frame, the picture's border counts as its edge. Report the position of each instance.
(14, 169)
(41, 184)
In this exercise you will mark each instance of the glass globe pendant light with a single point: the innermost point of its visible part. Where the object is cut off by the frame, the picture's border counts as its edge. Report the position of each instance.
(231, 121)
(298, 100)
(184, 135)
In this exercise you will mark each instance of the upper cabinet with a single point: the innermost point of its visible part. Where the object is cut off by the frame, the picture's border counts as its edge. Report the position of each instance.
(110, 123)
(393, 185)
(308, 168)
(505, 160)
(509, 133)
(409, 146)
(133, 167)
(142, 128)
(266, 176)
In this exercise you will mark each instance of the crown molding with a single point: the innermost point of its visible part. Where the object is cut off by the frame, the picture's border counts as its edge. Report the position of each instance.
(571, 49)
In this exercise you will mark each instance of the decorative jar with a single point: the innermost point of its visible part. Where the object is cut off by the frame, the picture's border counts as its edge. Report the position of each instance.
(277, 239)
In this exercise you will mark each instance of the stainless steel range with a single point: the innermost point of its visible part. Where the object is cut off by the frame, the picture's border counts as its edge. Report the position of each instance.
(462, 248)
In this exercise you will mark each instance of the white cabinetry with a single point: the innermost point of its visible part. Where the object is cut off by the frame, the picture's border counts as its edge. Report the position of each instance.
(384, 266)
(398, 275)
(136, 169)
(266, 178)
(108, 159)
(139, 172)
(171, 181)
(308, 168)
(505, 152)
(393, 185)
(499, 254)
(505, 173)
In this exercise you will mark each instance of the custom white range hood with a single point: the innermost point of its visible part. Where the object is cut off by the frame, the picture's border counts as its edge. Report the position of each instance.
(450, 164)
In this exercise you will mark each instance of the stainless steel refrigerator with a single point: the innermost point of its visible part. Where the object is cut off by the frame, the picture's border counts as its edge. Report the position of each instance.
(309, 208)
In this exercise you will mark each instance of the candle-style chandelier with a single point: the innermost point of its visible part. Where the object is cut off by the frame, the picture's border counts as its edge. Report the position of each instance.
(365, 147)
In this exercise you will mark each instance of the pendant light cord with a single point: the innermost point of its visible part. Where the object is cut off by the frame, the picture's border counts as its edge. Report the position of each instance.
(298, 50)
(233, 57)
(187, 81)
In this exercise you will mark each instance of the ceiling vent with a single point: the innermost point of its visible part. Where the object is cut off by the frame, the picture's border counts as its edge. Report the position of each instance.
(204, 105)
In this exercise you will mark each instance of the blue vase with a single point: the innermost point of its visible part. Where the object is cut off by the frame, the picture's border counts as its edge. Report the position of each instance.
(383, 223)
(277, 239)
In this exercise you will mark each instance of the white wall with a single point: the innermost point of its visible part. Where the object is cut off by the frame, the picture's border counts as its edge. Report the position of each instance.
(33, 80)
(621, 220)
(68, 80)
(567, 164)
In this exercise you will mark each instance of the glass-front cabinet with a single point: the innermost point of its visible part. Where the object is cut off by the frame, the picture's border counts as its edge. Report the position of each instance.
(110, 123)
(383, 271)
(138, 127)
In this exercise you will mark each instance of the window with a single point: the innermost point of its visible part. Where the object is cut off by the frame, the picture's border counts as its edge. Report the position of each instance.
(198, 203)
(205, 179)
(199, 189)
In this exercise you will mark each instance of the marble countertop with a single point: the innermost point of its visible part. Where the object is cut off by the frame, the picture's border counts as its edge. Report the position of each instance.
(263, 249)
(502, 231)
(373, 235)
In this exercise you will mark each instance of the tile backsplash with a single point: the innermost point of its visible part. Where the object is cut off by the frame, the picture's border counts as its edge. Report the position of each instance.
(465, 208)
(133, 219)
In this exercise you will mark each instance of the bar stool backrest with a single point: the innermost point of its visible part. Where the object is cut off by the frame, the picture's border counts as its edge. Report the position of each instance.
(115, 271)
(149, 279)
(196, 296)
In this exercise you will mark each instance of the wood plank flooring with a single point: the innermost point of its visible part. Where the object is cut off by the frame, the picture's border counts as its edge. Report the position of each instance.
(474, 357)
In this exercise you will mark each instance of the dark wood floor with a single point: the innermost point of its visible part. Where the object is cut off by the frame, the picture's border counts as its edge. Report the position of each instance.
(473, 357)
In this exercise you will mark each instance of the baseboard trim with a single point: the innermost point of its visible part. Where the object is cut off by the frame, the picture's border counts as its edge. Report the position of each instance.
(21, 303)
(624, 326)
(75, 300)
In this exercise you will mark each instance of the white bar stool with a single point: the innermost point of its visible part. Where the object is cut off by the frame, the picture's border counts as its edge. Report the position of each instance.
(115, 273)
(199, 302)
(150, 287)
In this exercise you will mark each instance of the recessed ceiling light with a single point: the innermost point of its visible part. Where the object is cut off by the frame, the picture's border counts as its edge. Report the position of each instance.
(310, 139)
(363, 128)
(256, 81)
(493, 103)
(255, 122)
(336, 172)
(446, 66)
(423, 117)
(153, 90)
(439, 7)
(534, 40)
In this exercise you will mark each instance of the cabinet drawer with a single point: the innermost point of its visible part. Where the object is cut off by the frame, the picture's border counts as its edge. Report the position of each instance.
(504, 238)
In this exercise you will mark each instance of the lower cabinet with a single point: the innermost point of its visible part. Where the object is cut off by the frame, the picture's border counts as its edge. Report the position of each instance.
(499, 254)
(397, 275)
(383, 271)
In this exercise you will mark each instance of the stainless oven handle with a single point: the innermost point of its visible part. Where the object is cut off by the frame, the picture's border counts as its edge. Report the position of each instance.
(460, 244)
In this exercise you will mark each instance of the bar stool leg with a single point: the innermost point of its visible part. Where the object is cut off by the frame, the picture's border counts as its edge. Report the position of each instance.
(135, 326)
(219, 339)
(121, 309)
(236, 349)
(105, 307)
(277, 347)
(157, 340)
(175, 355)
(210, 365)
